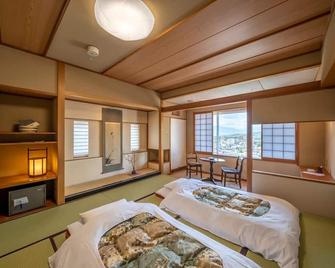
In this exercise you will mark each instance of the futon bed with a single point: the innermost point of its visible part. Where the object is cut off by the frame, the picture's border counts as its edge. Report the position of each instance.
(264, 224)
(129, 234)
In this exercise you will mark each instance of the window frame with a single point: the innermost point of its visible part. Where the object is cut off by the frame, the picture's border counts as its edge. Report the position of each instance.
(231, 111)
(271, 159)
(296, 161)
(139, 137)
(194, 149)
(88, 140)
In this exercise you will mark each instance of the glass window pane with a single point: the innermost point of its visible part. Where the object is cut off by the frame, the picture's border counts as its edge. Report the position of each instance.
(278, 139)
(289, 131)
(278, 131)
(267, 138)
(267, 146)
(278, 154)
(289, 155)
(278, 146)
(289, 147)
(267, 153)
(289, 139)
(278, 125)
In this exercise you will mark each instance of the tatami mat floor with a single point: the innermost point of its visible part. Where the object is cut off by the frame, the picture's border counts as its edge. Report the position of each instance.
(28, 242)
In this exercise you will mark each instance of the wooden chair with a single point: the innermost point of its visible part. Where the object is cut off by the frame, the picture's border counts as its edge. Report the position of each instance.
(193, 165)
(237, 171)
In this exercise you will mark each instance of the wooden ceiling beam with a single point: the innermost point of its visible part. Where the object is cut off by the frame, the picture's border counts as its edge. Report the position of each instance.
(213, 31)
(260, 48)
(312, 86)
(290, 64)
(28, 24)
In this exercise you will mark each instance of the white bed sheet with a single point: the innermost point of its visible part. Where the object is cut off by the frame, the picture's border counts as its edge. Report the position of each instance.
(275, 235)
(81, 249)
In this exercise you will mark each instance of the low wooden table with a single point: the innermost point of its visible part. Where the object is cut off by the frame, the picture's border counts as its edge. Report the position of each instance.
(211, 161)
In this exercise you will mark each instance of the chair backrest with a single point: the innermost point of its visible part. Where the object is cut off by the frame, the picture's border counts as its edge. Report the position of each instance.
(239, 164)
(192, 157)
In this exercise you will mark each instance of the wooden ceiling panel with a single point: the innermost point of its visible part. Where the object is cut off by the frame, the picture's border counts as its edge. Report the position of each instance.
(195, 39)
(28, 24)
(313, 29)
(294, 63)
(211, 20)
(273, 56)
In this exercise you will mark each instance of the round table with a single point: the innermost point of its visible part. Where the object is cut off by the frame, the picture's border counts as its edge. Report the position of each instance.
(211, 161)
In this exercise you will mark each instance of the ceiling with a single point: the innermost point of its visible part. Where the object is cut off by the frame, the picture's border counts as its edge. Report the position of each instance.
(302, 76)
(193, 41)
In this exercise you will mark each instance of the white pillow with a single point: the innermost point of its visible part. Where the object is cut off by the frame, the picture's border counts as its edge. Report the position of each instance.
(74, 227)
(171, 185)
(114, 207)
(163, 192)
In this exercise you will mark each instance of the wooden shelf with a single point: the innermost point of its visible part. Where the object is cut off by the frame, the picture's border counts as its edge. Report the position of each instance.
(11, 181)
(5, 218)
(28, 143)
(28, 133)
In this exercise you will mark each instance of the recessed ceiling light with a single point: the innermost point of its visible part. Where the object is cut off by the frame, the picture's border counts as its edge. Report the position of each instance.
(128, 20)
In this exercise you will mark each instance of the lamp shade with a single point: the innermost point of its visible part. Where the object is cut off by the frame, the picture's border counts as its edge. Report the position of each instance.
(37, 162)
(128, 20)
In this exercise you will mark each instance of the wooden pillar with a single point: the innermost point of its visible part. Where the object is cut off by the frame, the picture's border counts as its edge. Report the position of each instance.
(60, 199)
(249, 145)
(160, 151)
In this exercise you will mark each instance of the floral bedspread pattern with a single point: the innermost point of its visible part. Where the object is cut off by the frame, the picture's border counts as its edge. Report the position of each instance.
(146, 241)
(232, 201)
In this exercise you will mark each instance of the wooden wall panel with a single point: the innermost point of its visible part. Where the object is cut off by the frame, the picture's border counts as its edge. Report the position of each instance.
(28, 24)
(292, 36)
(194, 40)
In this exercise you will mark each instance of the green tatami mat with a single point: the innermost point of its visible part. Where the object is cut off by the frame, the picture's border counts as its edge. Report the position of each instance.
(257, 258)
(317, 242)
(317, 233)
(154, 199)
(34, 256)
(23, 231)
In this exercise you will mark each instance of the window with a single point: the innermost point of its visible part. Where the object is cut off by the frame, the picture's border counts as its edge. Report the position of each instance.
(257, 141)
(80, 138)
(203, 132)
(279, 141)
(134, 137)
(230, 133)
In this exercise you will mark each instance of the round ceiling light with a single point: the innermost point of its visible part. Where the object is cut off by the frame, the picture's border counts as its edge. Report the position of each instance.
(128, 20)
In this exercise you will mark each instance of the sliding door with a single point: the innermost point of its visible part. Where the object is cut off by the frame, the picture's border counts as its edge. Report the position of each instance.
(178, 143)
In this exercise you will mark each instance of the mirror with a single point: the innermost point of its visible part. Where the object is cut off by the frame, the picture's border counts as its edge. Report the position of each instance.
(112, 140)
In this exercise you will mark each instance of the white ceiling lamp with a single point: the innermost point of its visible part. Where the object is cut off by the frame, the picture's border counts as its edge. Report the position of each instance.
(128, 20)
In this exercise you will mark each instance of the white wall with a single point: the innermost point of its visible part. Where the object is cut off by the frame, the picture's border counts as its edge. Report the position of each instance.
(104, 89)
(302, 107)
(25, 70)
(178, 143)
(307, 196)
(84, 170)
